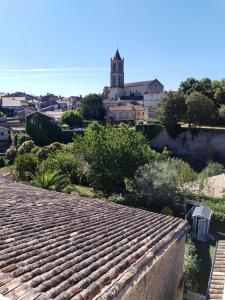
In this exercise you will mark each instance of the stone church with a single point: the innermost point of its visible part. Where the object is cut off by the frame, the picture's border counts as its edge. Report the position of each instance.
(147, 93)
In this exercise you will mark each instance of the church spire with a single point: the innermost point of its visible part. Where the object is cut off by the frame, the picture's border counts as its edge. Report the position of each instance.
(117, 55)
(117, 71)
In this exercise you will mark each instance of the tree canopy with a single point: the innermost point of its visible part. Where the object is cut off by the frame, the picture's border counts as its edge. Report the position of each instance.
(72, 118)
(191, 85)
(91, 107)
(200, 108)
(113, 154)
(172, 109)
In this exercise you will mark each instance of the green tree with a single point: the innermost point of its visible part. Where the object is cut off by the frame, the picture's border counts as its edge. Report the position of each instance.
(10, 156)
(50, 180)
(72, 118)
(19, 138)
(42, 129)
(200, 109)
(26, 147)
(191, 85)
(113, 154)
(156, 183)
(24, 165)
(172, 109)
(184, 172)
(91, 107)
(206, 87)
(218, 87)
(188, 86)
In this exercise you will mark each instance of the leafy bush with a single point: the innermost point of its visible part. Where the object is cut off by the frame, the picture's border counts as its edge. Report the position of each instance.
(156, 182)
(50, 180)
(43, 153)
(35, 150)
(167, 211)
(113, 154)
(190, 266)
(26, 147)
(117, 198)
(20, 138)
(185, 174)
(10, 156)
(25, 164)
(220, 208)
(218, 222)
(67, 164)
(56, 146)
(2, 162)
(212, 169)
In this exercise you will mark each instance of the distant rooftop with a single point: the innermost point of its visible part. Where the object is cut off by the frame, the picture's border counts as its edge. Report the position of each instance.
(58, 246)
(127, 107)
(56, 114)
(140, 83)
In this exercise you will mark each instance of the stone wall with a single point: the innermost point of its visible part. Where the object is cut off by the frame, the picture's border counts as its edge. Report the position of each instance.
(199, 144)
(162, 280)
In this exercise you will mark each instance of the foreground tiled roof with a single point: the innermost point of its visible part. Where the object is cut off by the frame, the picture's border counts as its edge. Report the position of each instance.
(56, 246)
(217, 282)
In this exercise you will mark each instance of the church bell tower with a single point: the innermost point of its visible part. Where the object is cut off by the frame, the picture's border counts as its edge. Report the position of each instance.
(117, 71)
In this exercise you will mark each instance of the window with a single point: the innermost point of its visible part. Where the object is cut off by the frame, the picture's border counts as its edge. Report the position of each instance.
(2, 133)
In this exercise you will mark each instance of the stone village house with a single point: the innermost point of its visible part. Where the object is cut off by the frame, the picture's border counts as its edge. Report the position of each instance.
(128, 112)
(58, 246)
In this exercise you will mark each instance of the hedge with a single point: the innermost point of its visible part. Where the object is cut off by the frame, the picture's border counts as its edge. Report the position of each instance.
(218, 222)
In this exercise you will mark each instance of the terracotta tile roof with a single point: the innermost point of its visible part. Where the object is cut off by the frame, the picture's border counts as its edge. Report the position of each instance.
(57, 246)
(216, 289)
(127, 107)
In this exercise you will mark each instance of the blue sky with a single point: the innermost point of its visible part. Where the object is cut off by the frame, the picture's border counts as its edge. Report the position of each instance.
(64, 46)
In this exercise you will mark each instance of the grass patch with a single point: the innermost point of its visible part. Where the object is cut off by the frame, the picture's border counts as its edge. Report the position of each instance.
(205, 253)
